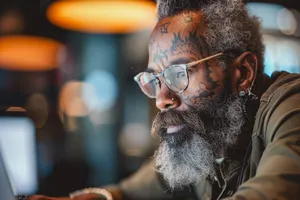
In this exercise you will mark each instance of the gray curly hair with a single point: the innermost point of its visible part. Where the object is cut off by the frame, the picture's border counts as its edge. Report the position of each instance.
(230, 28)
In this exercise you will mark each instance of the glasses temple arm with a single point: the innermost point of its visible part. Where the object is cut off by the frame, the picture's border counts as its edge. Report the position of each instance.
(203, 60)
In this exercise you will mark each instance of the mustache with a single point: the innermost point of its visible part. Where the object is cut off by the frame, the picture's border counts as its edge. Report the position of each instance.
(191, 118)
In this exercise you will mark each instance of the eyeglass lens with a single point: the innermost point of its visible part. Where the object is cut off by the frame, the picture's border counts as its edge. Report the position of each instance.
(149, 84)
(175, 77)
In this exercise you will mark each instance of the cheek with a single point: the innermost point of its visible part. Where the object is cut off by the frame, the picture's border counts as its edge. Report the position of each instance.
(195, 80)
(205, 83)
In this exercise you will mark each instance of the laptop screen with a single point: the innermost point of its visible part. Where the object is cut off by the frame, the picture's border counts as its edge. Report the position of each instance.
(5, 187)
(17, 143)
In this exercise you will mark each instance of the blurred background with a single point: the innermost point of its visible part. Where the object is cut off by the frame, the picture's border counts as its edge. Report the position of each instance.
(71, 115)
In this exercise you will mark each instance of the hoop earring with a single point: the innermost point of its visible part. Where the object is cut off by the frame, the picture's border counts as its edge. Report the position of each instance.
(250, 94)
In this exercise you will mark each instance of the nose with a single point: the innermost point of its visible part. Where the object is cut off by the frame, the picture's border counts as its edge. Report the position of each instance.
(166, 99)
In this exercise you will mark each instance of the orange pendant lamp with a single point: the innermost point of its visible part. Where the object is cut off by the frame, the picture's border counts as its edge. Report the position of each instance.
(29, 53)
(103, 16)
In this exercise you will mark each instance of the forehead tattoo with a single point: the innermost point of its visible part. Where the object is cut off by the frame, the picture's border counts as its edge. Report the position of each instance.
(161, 29)
(182, 37)
(187, 38)
(191, 42)
(159, 55)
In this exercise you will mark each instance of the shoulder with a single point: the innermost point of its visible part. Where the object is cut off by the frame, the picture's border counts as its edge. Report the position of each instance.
(283, 84)
(279, 104)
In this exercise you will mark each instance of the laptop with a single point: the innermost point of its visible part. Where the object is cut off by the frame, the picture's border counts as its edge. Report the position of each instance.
(6, 191)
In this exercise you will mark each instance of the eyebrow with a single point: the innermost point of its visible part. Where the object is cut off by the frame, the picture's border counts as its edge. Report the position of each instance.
(173, 62)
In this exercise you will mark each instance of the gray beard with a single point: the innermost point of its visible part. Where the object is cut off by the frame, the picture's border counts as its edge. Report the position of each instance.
(190, 159)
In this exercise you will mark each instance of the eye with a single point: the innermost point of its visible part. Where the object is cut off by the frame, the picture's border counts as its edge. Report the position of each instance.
(181, 74)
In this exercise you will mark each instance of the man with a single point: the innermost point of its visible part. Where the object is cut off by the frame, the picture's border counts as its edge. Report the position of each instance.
(226, 129)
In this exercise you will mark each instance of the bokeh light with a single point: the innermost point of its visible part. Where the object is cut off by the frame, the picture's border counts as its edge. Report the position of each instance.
(287, 22)
(11, 21)
(17, 142)
(267, 14)
(135, 139)
(281, 54)
(278, 25)
(37, 109)
(103, 91)
(29, 53)
(288, 52)
(71, 102)
(270, 59)
(15, 109)
(103, 16)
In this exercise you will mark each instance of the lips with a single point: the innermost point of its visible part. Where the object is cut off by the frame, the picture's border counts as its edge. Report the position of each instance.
(174, 129)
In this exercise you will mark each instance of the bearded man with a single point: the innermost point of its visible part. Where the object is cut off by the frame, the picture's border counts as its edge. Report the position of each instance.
(226, 129)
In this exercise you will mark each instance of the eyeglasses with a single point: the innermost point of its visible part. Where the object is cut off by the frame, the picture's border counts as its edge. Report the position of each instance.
(175, 77)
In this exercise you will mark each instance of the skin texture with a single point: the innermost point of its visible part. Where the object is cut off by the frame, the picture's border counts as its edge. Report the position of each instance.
(180, 40)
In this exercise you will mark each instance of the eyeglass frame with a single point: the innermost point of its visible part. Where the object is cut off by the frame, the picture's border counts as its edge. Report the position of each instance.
(185, 66)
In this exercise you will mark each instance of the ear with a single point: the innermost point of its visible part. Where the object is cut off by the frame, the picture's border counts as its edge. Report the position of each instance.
(244, 71)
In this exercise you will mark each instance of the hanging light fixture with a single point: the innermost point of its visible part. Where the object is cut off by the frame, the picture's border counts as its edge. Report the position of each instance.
(113, 16)
(29, 53)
